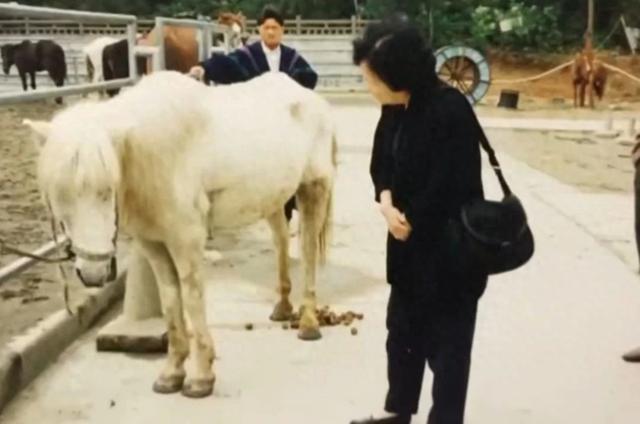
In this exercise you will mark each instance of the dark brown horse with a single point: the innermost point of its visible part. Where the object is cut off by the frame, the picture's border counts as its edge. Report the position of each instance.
(180, 45)
(115, 63)
(29, 58)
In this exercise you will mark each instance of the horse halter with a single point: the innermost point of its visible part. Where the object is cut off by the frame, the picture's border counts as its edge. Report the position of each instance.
(85, 254)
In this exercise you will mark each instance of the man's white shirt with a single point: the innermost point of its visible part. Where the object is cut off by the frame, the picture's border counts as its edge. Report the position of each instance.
(273, 57)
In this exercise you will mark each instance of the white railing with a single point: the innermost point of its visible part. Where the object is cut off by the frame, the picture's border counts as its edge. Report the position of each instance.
(76, 22)
(13, 11)
(34, 27)
(298, 26)
(23, 264)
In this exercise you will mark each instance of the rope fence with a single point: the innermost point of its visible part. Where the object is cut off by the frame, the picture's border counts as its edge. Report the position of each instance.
(559, 68)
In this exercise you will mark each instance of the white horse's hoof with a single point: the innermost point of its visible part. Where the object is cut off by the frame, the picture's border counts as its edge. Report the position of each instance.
(283, 311)
(197, 389)
(168, 385)
(309, 334)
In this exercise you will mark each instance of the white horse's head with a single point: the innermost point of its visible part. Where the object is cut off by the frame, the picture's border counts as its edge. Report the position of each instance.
(79, 175)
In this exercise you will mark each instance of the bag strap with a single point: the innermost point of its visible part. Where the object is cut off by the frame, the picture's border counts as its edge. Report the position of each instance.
(493, 160)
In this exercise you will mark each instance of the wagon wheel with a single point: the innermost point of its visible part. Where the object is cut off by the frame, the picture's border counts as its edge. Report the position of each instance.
(465, 69)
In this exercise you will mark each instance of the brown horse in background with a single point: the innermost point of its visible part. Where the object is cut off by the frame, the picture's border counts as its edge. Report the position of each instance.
(181, 53)
(588, 75)
(180, 46)
(29, 58)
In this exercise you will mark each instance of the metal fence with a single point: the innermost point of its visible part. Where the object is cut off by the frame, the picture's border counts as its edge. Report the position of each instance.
(298, 26)
(18, 21)
(88, 21)
(12, 11)
(31, 27)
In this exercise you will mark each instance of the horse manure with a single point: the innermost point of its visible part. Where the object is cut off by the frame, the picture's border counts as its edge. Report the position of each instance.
(326, 318)
(9, 294)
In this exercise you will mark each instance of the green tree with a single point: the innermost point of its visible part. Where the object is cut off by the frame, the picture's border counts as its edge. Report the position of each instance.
(454, 21)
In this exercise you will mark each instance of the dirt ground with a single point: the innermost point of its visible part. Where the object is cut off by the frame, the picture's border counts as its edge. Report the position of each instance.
(24, 223)
(557, 88)
(587, 163)
(23, 218)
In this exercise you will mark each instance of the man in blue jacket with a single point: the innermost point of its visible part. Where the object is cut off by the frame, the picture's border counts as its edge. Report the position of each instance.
(268, 54)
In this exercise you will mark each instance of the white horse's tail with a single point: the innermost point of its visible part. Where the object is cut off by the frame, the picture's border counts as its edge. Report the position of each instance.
(324, 237)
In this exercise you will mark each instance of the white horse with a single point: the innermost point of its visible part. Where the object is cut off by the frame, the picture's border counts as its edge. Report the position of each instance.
(93, 57)
(169, 160)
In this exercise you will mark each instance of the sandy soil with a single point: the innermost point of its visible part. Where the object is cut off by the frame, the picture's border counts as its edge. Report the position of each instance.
(587, 162)
(24, 223)
(557, 88)
(23, 218)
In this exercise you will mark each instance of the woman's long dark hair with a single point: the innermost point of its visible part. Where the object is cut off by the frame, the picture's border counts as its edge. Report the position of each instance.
(398, 53)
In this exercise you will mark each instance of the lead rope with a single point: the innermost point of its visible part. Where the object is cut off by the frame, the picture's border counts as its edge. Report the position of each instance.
(63, 274)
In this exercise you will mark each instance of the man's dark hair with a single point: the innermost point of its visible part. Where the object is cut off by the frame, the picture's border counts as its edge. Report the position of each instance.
(396, 51)
(270, 12)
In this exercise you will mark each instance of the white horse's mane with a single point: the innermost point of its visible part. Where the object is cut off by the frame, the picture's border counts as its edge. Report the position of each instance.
(81, 159)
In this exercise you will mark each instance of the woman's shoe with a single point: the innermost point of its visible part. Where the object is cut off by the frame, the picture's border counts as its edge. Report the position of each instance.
(632, 356)
(389, 419)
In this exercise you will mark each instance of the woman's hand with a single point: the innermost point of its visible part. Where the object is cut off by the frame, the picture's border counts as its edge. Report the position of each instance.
(397, 223)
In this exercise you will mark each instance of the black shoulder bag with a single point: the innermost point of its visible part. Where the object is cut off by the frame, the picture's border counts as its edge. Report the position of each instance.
(491, 237)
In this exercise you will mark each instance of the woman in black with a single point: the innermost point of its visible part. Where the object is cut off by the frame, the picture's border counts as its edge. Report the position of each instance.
(425, 165)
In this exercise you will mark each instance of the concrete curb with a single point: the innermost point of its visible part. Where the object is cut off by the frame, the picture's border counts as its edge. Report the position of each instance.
(27, 355)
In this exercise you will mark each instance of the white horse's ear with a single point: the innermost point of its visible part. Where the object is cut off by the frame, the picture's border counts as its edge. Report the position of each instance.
(41, 130)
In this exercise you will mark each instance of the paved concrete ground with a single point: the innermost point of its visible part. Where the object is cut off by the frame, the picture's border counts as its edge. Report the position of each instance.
(547, 350)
